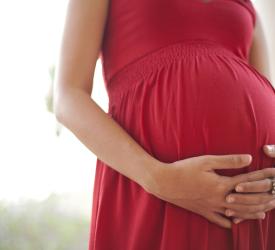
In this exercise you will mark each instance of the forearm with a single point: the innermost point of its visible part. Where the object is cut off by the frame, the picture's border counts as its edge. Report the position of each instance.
(262, 52)
(105, 137)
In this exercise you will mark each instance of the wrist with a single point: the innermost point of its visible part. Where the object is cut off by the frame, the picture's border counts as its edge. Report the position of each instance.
(154, 170)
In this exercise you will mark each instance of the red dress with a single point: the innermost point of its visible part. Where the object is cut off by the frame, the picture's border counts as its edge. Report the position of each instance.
(180, 83)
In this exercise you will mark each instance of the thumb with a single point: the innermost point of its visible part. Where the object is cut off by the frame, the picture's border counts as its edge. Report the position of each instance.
(228, 161)
(269, 150)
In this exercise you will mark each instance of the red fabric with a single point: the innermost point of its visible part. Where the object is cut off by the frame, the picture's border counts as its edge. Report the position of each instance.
(180, 83)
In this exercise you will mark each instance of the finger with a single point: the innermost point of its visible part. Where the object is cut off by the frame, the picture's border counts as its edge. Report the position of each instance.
(227, 161)
(255, 186)
(219, 220)
(269, 150)
(237, 210)
(252, 176)
(237, 220)
(232, 209)
(249, 199)
(270, 206)
(245, 215)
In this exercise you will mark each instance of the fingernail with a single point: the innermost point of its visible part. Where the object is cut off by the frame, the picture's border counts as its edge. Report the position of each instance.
(247, 158)
(239, 188)
(270, 148)
(229, 212)
(230, 199)
(236, 221)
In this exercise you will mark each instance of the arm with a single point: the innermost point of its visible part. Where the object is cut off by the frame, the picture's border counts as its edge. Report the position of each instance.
(259, 54)
(73, 105)
(173, 182)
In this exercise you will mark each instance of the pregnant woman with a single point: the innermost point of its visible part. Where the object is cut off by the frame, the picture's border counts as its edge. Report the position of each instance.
(191, 112)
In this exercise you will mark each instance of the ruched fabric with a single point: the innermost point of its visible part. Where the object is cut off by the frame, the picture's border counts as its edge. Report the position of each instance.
(191, 97)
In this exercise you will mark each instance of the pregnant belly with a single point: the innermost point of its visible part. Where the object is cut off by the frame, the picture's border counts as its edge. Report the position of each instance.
(197, 104)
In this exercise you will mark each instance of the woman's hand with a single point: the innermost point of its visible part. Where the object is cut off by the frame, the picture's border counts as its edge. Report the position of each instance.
(258, 200)
(194, 185)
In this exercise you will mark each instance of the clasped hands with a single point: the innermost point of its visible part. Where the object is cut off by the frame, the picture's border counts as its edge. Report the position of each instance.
(252, 199)
(177, 183)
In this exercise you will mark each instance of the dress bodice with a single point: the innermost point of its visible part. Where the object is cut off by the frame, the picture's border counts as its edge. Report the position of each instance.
(229, 23)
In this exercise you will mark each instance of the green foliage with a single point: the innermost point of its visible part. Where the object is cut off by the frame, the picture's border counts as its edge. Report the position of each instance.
(49, 102)
(33, 225)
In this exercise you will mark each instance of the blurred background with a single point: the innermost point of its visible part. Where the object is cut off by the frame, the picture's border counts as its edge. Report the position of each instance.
(46, 174)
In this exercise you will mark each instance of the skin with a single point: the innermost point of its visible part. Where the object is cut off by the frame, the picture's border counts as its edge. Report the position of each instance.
(259, 54)
(261, 201)
(177, 183)
(266, 11)
(76, 110)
